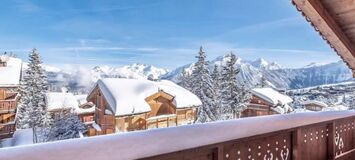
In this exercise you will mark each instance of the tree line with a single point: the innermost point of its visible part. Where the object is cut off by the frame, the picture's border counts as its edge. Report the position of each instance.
(222, 96)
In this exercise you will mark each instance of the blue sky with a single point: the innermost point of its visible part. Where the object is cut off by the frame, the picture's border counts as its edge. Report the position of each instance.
(165, 33)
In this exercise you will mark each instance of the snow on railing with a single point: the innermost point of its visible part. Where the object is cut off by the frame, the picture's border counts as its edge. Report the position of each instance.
(142, 144)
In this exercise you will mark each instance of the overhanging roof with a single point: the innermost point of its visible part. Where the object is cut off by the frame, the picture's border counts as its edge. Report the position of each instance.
(334, 20)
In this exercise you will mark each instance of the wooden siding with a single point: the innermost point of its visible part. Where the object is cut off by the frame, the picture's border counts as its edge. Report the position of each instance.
(8, 106)
(258, 107)
(7, 130)
(313, 107)
(140, 122)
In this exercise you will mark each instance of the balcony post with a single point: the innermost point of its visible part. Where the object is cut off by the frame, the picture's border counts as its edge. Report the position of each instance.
(218, 153)
(331, 141)
(296, 144)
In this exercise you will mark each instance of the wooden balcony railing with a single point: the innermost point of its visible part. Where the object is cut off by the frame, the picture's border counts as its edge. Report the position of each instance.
(7, 106)
(7, 129)
(302, 136)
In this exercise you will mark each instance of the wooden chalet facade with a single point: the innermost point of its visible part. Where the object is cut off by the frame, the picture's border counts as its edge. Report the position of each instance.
(163, 110)
(267, 101)
(314, 105)
(10, 74)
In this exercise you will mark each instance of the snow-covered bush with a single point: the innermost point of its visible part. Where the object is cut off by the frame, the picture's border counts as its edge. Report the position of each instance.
(66, 125)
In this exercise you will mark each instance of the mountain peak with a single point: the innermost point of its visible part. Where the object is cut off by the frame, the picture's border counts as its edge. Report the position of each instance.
(313, 64)
(261, 63)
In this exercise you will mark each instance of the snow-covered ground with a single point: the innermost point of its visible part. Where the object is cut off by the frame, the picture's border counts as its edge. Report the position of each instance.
(338, 96)
(20, 137)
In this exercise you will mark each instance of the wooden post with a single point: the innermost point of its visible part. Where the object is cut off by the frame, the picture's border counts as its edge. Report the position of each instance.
(156, 123)
(218, 153)
(296, 144)
(167, 121)
(331, 141)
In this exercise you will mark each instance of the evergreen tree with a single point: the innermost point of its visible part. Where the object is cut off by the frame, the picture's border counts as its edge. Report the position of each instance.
(202, 86)
(263, 82)
(185, 80)
(234, 95)
(32, 107)
(67, 125)
(216, 78)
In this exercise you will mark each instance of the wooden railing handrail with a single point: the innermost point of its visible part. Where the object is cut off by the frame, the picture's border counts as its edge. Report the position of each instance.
(192, 140)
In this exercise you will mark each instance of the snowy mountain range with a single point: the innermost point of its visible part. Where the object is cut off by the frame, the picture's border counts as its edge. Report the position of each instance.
(252, 71)
(81, 78)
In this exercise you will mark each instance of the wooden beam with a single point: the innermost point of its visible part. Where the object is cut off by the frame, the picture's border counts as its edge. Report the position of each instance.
(329, 29)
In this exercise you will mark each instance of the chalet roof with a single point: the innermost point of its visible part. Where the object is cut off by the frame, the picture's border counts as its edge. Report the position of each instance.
(272, 96)
(127, 96)
(11, 74)
(319, 103)
(334, 21)
(59, 100)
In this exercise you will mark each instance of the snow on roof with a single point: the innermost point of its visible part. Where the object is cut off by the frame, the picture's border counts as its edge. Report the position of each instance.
(59, 100)
(161, 117)
(301, 110)
(165, 140)
(127, 96)
(282, 109)
(319, 103)
(272, 96)
(81, 98)
(11, 74)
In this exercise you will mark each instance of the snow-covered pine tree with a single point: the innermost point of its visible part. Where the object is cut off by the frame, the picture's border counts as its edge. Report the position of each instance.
(185, 80)
(32, 108)
(202, 86)
(234, 94)
(263, 82)
(66, 125)
(216, 78)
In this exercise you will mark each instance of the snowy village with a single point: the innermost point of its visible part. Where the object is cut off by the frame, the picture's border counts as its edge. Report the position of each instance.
(213, 104)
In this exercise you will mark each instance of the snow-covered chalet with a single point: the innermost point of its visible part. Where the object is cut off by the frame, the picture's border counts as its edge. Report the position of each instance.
(58, 102)
(131, 104)
(10, 75)
(267, 101)
(314, 105)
